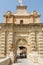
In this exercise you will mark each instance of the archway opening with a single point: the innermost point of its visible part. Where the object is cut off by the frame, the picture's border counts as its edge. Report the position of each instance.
(22, 53)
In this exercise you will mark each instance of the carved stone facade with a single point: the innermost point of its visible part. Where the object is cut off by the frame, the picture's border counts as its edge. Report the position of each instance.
(21, 31)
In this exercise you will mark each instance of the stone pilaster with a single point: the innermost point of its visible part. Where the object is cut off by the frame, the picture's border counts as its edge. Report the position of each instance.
(5, 43)
(14, 46)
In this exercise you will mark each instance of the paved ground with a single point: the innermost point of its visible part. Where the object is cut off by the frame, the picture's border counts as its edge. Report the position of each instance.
(25, 62)
(28, 61)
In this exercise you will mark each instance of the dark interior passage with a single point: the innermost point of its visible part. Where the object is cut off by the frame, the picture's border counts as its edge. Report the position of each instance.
(23, 52)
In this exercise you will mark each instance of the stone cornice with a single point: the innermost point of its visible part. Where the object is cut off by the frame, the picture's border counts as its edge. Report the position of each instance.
(30, 24)
(23, 16)
(21, 7)
(21, 27)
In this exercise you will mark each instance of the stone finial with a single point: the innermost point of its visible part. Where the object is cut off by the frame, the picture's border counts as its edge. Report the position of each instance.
(7, 14)
(35, 13)
(20, 2)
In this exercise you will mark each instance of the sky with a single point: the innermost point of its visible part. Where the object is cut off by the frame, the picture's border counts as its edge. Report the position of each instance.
(10, 5)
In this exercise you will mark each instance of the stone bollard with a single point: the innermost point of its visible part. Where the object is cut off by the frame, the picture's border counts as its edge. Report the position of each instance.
(11, 55)
(35, 57)
(35, 60)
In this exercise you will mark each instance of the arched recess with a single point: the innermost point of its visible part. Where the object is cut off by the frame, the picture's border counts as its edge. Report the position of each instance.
(22, 48)
(21, 40)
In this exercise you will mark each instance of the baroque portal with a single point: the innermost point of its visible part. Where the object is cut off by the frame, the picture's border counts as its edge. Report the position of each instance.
(21, 31)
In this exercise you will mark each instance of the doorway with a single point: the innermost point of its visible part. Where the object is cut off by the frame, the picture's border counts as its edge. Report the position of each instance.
(22, 52)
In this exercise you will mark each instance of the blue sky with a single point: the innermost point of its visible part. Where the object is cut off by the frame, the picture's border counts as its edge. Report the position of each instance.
(10, 5)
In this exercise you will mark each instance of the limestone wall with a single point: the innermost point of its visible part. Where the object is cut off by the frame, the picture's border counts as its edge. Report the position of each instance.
(5, 61)
(9, 42)
(2, 44)
(40, 43)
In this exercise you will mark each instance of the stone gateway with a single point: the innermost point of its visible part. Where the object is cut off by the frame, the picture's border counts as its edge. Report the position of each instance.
(21, 31)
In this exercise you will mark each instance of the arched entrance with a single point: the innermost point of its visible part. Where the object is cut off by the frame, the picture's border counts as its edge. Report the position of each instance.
(21, 49)
(22, 52)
